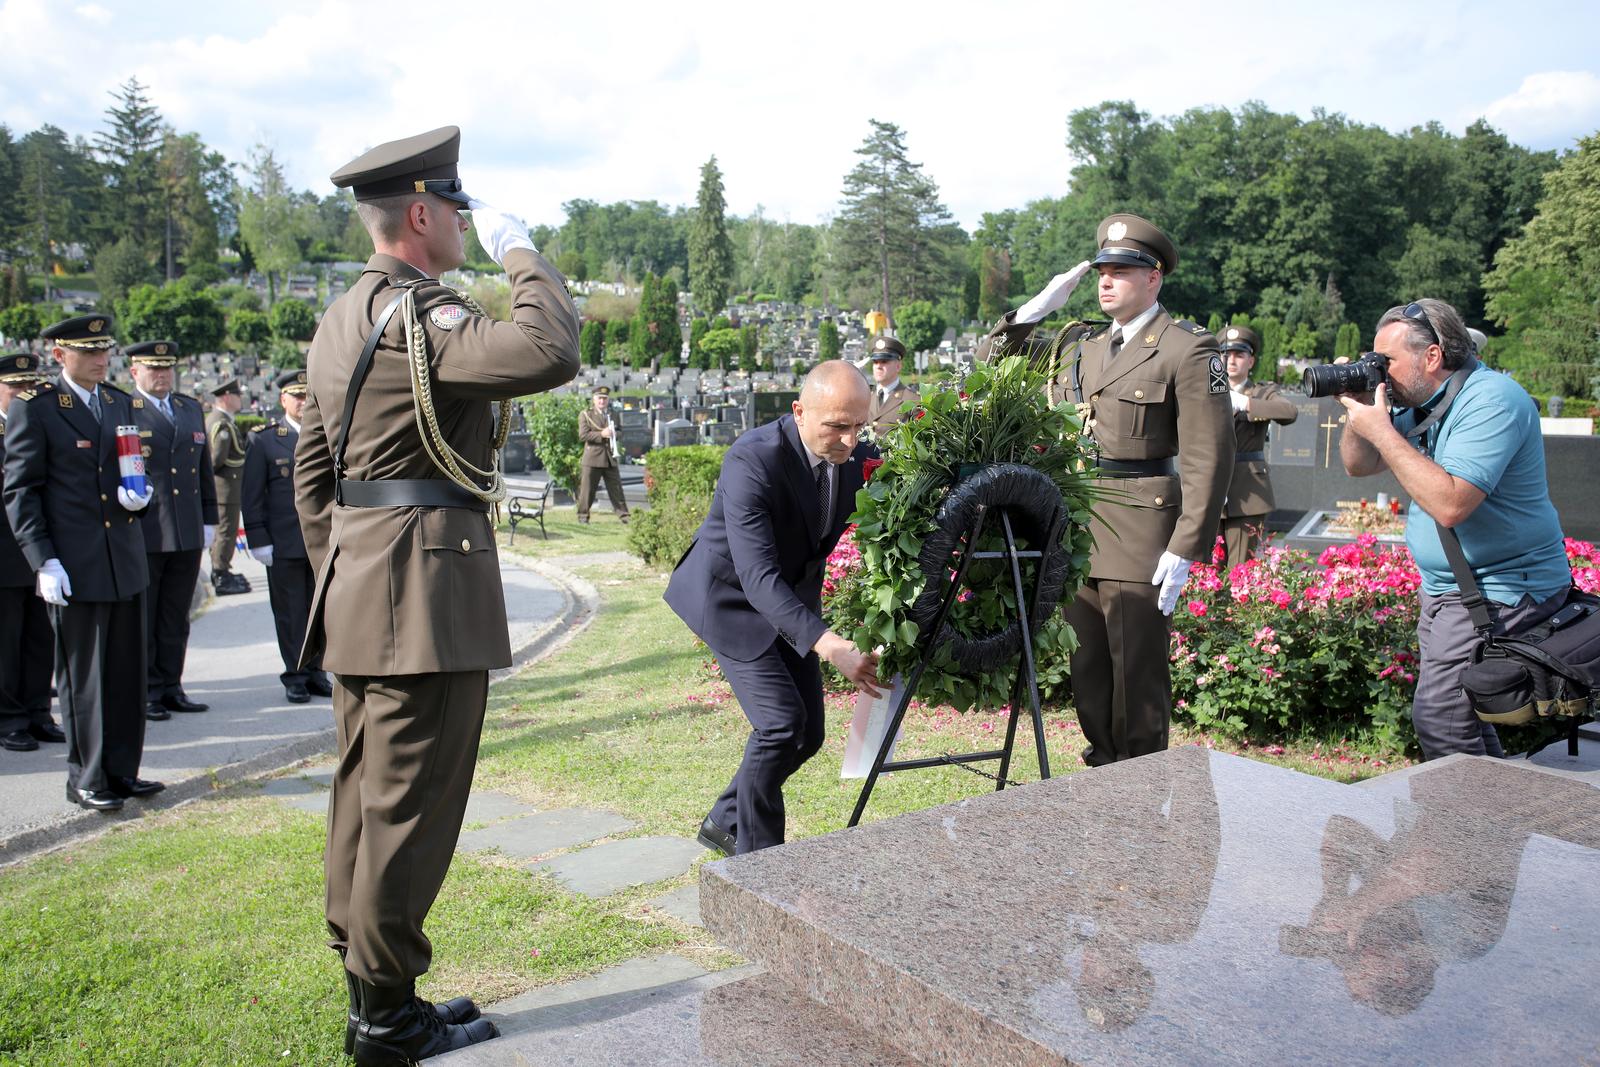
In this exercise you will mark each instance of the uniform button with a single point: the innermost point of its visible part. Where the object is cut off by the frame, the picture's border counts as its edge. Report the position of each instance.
(466, 546)
(1158, 502)
(108, 524)
(1095, 399)
(1138, 394)
(174, 492)
(102, 496)
(174, 470)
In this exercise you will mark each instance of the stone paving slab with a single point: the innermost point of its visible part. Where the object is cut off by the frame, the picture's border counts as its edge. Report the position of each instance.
(490, 806)
(556, 1005)
(682, 904)
(605, 869)
(315, 803)
(289, 787)
(534, 835)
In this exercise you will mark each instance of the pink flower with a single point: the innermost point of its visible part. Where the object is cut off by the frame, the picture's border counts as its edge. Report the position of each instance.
(1197, 608)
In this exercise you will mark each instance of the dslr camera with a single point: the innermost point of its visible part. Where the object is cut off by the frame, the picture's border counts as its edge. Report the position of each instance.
(1358, 376)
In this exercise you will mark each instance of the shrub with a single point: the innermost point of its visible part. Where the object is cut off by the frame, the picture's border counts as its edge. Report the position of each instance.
(680, 482)
(553, 429)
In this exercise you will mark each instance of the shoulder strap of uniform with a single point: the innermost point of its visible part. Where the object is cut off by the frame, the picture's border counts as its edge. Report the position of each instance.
(363, 367)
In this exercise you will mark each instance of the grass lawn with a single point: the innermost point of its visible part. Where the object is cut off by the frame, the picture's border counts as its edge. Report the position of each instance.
(195, 937)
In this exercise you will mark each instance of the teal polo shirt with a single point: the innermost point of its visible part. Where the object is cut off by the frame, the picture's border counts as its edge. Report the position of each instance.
(1491, 438)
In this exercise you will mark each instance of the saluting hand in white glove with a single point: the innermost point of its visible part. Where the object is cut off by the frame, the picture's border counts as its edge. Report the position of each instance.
(1054, 295)
(1241, 403)
(1171, 572)
(54, 585)
(498, 232)
(134, 501)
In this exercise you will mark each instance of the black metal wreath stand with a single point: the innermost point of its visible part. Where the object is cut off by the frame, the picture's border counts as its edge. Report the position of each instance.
(1027, 676)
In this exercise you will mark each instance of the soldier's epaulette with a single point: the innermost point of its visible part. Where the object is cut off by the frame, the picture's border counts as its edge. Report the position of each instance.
(39, 390)
(1192, 327)
(260, 426)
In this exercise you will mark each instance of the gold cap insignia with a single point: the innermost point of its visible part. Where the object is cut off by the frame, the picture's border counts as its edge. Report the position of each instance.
(96, 325)
(161, 350)
(1117, 231)
(880, 344)
(1233, 335)
(22, 362)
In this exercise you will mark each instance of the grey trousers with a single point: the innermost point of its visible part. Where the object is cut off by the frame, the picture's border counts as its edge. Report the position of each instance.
(1444, 720)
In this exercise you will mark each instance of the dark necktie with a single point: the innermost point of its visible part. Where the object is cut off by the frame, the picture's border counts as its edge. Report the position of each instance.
(1116, 343)
(822, 496)
(94, 404)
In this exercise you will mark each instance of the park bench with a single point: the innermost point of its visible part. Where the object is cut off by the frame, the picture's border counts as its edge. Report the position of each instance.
(528, 507)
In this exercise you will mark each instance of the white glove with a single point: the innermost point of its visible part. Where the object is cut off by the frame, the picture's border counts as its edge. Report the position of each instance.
(1171, 572)
(208, 534)
(1241, 403)
(1053, 295)
(132, 501)
(54, 585)
(498, 232)
(262, 555)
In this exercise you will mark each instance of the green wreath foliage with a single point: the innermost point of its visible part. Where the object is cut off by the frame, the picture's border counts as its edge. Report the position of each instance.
(992, 413)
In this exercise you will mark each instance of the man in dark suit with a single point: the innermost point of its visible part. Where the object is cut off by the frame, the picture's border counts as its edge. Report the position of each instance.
(272, 529)
(27, 647)
(750, 587)
(178, 524)
(79, 529)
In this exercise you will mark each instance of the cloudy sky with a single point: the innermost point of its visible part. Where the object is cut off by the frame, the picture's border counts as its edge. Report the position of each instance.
(625, 100)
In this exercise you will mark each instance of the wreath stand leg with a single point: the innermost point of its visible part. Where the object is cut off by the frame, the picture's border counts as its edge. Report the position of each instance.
(1027, 674)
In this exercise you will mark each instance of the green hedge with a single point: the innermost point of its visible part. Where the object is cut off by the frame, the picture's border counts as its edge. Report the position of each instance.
(680, 482)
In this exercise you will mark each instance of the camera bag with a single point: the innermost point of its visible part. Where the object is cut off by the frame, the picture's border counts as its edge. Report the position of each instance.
(1550, 670)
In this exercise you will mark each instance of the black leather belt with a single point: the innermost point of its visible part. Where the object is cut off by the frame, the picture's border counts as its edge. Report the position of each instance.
(1134, 468)
(406, 493)
(1249, 457)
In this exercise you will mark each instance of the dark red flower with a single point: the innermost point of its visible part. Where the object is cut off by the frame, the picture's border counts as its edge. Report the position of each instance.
(966, 396)
(868, 466)
(1039, 449)
(921, 412)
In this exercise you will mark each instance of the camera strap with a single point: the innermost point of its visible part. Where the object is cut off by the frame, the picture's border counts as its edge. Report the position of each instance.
(1451, 388)
(1471, 595)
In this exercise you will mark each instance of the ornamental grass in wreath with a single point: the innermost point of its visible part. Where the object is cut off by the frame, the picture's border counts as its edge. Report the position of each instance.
(989, 435)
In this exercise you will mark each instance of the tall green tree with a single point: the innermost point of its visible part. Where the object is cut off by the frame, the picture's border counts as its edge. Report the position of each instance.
(271, 221)
(920, 326)
(180, 311)
(710, 250)
(130, 145)
(59, 191)
(592, 342)
(827, 340)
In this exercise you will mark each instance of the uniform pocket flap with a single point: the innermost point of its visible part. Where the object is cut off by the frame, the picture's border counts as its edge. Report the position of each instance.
(1139, 391)
(455, 530)
(1162, 491)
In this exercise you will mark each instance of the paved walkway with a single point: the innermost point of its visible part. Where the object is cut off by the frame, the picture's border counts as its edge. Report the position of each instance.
(233, 665)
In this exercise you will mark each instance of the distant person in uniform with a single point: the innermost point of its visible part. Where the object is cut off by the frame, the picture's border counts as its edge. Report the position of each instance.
(27, 644)
(272, 530)
(180, 521)
(1156, 399)
(395, 474)
(892, 399)
(227, 465)
(79, 529)
(598, 433)
(1256, 405)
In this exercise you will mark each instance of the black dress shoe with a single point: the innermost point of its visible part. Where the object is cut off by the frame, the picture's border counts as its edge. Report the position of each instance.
(18, 741)
(46, 731)
(179, 702)
(398, 1027)
(716, 838)
(94, 800)
(450, 1012)
(156, 713)
(134, 787)
(296, 693)
(319, 686)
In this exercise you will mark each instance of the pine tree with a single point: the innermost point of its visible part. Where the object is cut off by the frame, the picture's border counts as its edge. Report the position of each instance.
(130, 145)
(710, 250)
(827, 341)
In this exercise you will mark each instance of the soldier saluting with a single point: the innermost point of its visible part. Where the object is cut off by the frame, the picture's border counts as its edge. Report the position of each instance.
(79, 529)
(395, 472)
(227, 465)
(180, 521)
(1157, 408)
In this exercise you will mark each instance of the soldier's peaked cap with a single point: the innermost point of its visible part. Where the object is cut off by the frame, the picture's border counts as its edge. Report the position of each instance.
(1239, 339)
(20, 368)
(1136, 242)
(229, 386)
(292, 382)
(425, 163)
(888, 348)
(153, 353)
(81, 331)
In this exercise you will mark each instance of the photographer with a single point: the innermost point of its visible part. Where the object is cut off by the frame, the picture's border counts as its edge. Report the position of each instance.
(1465, 444)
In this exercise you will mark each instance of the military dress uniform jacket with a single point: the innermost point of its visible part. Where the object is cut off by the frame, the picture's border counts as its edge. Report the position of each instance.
(177, 460)
(411, 590)
(596, 449)
(1250, 490)
(895, 409)
(268, 495)
(227, 447)
(61, 491)
(15, 571)
(1163, 396)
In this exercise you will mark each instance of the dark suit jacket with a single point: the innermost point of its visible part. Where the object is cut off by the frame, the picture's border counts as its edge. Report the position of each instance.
(14, 570)
(754, 572)
(61, 491)
(268, 495)
(177, 461)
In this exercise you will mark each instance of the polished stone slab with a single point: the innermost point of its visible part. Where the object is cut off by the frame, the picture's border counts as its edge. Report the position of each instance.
(534, 835)
(1194, 907)
(579, 1000)
(600, 870)
(756, 1022)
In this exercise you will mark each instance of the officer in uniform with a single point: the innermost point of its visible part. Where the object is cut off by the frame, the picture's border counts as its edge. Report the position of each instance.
(892, 399)
(27, 646)
(1256, 405)
(178, 524)
(79, 529)
(395, 472)
(598, 434)
(1155, 398)
(227, 465)
(272, 530)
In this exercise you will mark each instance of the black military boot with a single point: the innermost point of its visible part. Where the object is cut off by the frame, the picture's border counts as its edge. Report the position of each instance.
(455, 1010)
(397, 1028)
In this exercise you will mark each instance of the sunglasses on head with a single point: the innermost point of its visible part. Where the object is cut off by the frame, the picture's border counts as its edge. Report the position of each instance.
(1416, 313)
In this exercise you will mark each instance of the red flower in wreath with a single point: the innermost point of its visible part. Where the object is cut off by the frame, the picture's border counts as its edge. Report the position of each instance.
(920, 412)
(868, 466)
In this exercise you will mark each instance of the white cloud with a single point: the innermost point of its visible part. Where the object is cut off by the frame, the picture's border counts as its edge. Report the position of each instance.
(1550, 108)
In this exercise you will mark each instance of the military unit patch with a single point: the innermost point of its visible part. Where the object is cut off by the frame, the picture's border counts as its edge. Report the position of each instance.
(1219, 377)
(64, 398)
(448, 316)
(138, 401)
